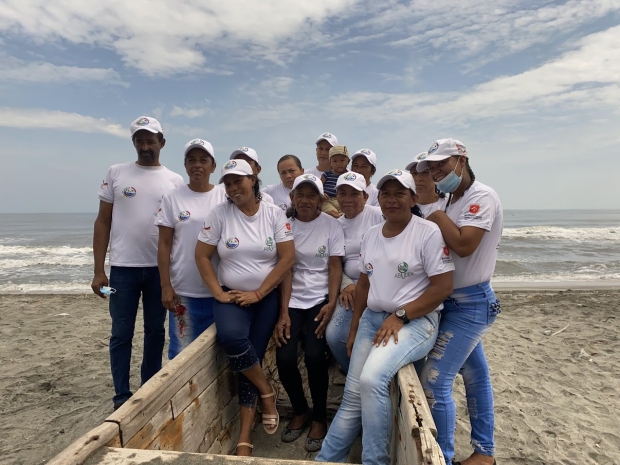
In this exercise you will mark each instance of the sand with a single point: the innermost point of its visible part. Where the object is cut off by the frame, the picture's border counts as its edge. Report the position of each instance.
(557, 393)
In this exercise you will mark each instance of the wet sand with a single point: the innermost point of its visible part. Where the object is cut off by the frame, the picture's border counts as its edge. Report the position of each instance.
(554, 357)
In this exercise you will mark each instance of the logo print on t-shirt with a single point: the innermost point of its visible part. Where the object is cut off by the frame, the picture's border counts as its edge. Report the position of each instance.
(446, 251)
(283, 206)
(446, 255)
(230, 165)
(403, 271)
(269, 243)
(288, 232)
(232, 243)
(184, 216)
(350, 177)
(129, 192)
(475, 208)
(368, 268)
(322, 252)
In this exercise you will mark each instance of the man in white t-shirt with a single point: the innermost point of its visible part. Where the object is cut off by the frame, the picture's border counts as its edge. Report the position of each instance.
(248, 154)
(129, 198)
(323, 144)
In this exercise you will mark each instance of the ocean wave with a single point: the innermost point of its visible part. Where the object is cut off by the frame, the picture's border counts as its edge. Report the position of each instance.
(58, 287)
(566, 234)
(63, 250)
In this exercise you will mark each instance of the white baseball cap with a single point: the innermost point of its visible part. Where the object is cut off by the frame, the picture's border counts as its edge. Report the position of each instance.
(329, 137)
(415, 161)
(440, 150)
(240, 167)
(355, 180)
(369, 154)
(147, 123)
(310, 179)
(245, 151)
(199, 144)
(402, 177)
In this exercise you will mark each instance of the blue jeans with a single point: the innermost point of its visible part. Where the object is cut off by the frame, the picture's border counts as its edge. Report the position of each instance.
(130, 283)
(243, 333)
(188, 322)
(337, 335)
(466, 316)
(366, 401)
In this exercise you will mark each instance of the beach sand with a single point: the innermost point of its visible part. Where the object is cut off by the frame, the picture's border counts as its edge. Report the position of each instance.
(557, 394)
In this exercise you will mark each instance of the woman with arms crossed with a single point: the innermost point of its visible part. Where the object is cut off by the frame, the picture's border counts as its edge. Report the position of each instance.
(255, 245)
(472, 227)
(405, 276)
(309, 296)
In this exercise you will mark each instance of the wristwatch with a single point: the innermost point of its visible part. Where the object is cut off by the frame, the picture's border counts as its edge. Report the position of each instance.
(401, 314)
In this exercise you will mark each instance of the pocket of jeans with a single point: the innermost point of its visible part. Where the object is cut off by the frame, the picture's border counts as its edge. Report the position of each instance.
(430, 320)
(494, 310)
(466, 311)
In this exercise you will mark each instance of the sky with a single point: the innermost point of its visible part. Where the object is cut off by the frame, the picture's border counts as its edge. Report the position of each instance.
(531, 88)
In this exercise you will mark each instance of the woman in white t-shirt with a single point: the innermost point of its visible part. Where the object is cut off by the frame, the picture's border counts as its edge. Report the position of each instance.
(406, 273)
(358, 217)
(255, 244)
(430, 198)
(471, 225)
(180, 219)
(364, 162)
(289, 167)
(309, 297)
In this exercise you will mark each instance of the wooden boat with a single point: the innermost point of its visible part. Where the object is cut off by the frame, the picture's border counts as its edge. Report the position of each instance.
(188, 414)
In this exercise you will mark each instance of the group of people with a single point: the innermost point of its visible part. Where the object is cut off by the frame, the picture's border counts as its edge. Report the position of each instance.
(380, 276)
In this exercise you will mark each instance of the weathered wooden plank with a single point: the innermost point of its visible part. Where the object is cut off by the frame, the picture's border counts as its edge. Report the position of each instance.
(229, 413)
(429, 449)
(412, 389)
(84, 447)
(113, 456)
(152, 429)
(154, 394)
(227, 439)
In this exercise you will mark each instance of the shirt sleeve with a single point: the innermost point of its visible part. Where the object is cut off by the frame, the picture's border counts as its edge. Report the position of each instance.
(165, 216)
(479, 211)
(211, 231)
(106, 190)
(436, 257)
(282, 227)
(336, 239)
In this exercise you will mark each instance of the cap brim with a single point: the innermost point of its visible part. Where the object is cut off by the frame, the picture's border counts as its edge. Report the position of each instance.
(423, 165)
(198, 146)
(239, 172)
(411, 165)
(151, 130)
(387, 177)
(318, 187)
(353, 185)
(362, 155)
(326, 140)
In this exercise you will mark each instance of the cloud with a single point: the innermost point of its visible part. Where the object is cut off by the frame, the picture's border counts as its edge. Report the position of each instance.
(275, 87)
(189, 113)
(38, 118)
(19, 71)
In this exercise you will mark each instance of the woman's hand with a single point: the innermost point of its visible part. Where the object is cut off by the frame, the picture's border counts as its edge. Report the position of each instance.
(391, 325)
(169, 298)
(347, 296)
(245, 298)
(226, 297)
(324, 316)
(351, 340)
(282, 331)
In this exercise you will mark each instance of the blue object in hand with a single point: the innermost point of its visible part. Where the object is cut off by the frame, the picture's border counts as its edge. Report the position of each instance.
(107, 290)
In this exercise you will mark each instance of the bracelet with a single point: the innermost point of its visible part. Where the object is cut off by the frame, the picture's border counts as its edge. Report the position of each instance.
(258, 295)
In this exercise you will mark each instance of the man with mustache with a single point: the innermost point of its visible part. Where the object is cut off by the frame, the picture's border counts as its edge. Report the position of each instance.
(129, 198)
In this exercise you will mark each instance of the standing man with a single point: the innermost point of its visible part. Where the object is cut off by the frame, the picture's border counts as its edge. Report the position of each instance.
(128, 202)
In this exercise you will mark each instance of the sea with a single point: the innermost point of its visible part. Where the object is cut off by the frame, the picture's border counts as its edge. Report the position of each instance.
(52, 252)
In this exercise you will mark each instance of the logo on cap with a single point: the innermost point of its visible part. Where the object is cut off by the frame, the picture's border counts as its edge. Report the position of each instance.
(433, 149)
(395, 173)
(461, 148)
(310, 177)
(244, 149)
(197, 142)
(142, 122)
(184, 216)
(129, 192)
(368, 268)
(350, 177)
(232, 243)
(230, 165)
(365, 152)
(327, 135)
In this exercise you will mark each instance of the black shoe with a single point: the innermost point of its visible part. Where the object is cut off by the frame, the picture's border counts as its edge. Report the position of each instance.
(118, 405)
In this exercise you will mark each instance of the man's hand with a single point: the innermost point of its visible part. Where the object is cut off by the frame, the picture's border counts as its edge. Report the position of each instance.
(347, 296)
(282, 331)
(390, 327)
(99, 281)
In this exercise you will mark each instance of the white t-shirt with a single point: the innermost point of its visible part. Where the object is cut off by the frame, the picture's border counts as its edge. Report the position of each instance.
(280, 195)
(246, 244)
(354, 230)
(314, 170)
(136, 192)
(185, 211)
(429, 208)
(315, 242)
(479, 207)
(373, 195)
(399, 267)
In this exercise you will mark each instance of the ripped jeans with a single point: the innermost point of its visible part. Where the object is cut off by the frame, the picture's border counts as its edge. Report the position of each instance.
(466, 316)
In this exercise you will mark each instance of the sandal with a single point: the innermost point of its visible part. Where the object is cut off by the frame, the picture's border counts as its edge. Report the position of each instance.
(271, 421)
(244, 444)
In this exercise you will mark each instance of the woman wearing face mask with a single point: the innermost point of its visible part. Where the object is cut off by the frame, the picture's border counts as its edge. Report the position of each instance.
(471, 224)
(289, 167)
(309, 297)
(358, 217)
(405, 274)
(430, 198)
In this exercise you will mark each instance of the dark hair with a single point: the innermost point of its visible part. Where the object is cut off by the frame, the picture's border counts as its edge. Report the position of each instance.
(289, 157)
(160, 135)
(439, 193)
(469, 170)
(255, 188)
(415, 209)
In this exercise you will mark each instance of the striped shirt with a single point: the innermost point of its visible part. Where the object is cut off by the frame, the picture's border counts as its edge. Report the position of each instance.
(330, 183)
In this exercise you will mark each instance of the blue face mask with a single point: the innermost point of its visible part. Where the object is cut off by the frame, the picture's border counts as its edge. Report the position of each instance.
(450, 183)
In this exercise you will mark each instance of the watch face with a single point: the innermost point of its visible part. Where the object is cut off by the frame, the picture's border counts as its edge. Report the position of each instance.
(400, 312)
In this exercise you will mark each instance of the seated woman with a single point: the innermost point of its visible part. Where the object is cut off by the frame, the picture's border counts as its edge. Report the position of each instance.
(256, 250)
(358, 217)
(405, 275)
(309, 296)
